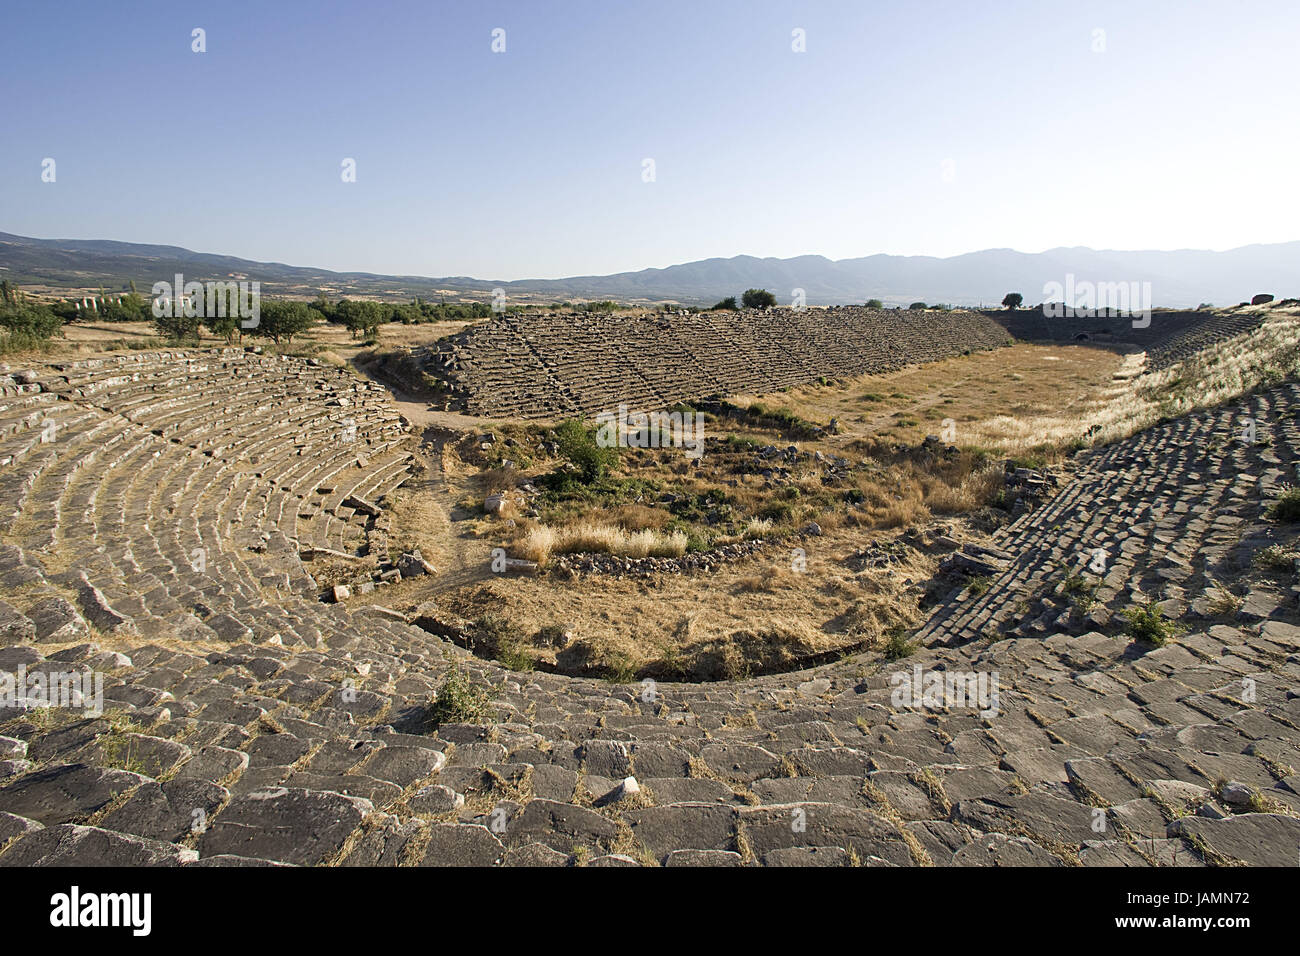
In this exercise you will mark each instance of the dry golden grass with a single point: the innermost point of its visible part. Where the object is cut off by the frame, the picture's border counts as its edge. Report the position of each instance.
(639, 518)
(1266, 356)
(779, 643)
(962, 492)
(755, 616)
(1021, 383)
(539, 542)
(1131, 401)
(419, 520)
(769, 582)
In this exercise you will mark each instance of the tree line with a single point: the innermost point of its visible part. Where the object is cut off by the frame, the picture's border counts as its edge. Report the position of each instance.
(27, 322)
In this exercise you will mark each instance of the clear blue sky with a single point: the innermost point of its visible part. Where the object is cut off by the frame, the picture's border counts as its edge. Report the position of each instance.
(909, 127)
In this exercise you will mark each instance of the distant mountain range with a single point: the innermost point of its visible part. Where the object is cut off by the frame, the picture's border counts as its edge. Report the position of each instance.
(1182, 278)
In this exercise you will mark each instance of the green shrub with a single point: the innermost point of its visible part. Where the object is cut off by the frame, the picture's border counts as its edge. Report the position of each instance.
(1287, 507)
(777, 512)
(1031, 461)
(1148, 624)
(1074, 583)
(897, 646)
(15, 342)
(550, 635)
(25, 319)
(578, 445)
(1276, 558)
(459, 701)
(499, 639)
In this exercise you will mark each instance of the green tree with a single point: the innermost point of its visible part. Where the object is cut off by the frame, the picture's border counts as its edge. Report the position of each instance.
(875, 304)
(728, 304)
(22, 318)
(177, 327)
(281, 320)
(26, 318)
(361, 317)
(66, 309)
(229, 327)
(758, 299)
(323, 306)
(131, 308)
(1013, 300)
(917, 306)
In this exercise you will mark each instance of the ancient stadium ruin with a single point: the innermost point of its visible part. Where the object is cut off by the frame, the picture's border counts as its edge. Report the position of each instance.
(168, 517)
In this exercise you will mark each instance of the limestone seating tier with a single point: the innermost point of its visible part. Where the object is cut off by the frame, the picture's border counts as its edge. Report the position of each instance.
(275, 435)
(1170, 336)
(535, 366)
(250, 722)
(1160, 515)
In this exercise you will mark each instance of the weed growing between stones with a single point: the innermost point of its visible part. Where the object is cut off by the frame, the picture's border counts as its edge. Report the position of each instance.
(458, 701)
(897, 646)
(1276, 558)
(1221, 602)
(1287, 507)
(1147, 624)
(499, 639)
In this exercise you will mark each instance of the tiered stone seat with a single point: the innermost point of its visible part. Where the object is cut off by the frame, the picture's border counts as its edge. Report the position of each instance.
(246, 720)
(1170, 336)
(535, 366)
(1164, 531)
(178, 424)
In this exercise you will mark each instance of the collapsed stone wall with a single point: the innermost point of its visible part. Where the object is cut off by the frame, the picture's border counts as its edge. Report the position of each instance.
(539, 366)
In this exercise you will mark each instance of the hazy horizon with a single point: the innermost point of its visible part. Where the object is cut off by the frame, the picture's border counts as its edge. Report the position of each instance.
(924, 129)
(739, 255)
